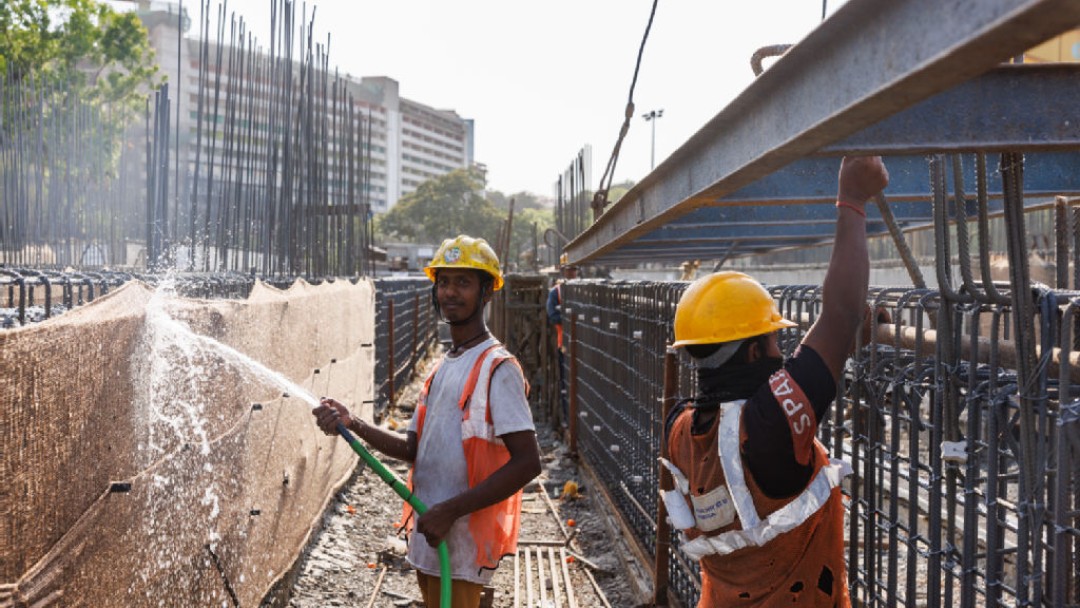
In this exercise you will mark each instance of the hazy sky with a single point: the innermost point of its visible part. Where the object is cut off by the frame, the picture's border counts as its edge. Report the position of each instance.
(542, 79)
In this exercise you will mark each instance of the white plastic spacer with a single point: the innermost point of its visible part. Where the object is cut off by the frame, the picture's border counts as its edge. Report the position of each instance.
(954, 451)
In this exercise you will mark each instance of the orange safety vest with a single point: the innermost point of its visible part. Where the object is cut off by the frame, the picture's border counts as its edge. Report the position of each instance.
(754, 566)
(558, 326)
(494, 528)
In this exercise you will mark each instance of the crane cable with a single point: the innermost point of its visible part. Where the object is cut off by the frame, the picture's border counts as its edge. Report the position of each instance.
(600, 198)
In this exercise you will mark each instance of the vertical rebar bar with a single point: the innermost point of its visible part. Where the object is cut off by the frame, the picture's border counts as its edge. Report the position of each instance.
(663, 527)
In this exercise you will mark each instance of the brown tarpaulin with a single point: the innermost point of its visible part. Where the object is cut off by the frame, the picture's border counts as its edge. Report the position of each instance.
(227, 475)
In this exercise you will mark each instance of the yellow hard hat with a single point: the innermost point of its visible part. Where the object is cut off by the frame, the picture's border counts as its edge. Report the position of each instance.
(466, 252)
(724, 307)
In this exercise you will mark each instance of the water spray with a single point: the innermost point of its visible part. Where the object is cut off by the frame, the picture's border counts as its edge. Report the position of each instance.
(178, 328)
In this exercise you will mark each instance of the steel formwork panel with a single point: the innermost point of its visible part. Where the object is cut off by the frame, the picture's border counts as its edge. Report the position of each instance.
(875, 77)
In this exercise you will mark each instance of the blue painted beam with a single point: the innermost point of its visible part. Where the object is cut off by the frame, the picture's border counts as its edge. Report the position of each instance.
(794, 206)
(1020, 108)
(813, 179)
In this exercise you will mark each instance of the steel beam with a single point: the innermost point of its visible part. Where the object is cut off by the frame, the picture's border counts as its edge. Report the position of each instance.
(813, 179)
(867, 62)
(793, 206)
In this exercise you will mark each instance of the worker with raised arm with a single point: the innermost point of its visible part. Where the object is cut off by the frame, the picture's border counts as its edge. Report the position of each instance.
(471, 440)
(756, 497)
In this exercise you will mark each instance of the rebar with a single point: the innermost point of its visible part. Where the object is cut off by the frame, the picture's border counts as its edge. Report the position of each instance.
(266, 182)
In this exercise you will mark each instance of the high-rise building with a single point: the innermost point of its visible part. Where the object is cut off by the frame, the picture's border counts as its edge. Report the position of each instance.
(410, 142)
(416, 142)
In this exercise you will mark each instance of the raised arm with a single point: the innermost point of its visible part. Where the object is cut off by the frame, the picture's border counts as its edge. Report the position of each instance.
(846, 280)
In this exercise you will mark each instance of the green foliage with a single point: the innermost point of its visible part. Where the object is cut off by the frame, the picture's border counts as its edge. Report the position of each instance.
(442, 208)
(522, 200)
(522, 233)
(618, 190)
(79, 46)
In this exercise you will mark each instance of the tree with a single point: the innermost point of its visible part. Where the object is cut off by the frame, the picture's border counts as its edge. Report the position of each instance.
(521, 233)
(618, 190)
(80, 46)
(522, 200)
(442, 208)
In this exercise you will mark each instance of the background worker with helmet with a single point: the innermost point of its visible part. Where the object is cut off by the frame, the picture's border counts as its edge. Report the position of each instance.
(554, 313)
(471, 440)
(756, 498)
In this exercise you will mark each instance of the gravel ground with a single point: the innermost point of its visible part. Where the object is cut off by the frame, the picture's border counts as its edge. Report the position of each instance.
(356, 550)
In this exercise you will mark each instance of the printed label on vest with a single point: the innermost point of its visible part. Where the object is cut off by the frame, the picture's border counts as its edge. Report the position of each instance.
(800, 416)
(714, 510)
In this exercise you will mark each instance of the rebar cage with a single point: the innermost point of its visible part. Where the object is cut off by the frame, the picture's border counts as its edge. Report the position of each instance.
(405, 329)
(966, 484)
(966, 460)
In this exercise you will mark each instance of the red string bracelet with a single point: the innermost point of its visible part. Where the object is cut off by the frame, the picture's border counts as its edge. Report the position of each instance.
(851, 206)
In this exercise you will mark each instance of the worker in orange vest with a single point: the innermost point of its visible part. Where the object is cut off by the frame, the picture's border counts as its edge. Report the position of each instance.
(756, 497)
(554, 314)
(471, 440)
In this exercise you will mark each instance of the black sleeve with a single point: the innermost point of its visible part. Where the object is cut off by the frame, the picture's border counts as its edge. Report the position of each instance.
(673, 415)
(768, 451)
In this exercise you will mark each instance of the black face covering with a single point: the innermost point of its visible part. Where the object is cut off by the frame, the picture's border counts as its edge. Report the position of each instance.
(728, 383)
(734, 381)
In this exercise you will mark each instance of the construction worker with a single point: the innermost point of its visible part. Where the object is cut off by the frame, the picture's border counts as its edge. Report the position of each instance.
(756, 497)
(554, 314)
(471, 440)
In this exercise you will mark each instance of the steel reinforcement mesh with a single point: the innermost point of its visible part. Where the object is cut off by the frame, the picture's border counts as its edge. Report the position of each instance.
(405, 328)
(967, 471)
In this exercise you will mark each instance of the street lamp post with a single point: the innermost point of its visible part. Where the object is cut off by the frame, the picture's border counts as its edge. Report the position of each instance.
(652, 116)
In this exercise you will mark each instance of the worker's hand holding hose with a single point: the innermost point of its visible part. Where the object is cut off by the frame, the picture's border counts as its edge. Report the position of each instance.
(329, 414)
(861, 177)
(435, 524)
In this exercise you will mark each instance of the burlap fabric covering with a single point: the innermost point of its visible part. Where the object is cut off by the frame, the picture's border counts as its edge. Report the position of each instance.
(226, 475)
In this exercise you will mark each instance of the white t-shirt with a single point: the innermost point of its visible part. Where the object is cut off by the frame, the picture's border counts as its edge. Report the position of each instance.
(440, 472)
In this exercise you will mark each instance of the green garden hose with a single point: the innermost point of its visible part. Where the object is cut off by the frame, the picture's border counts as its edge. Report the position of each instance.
(445, 580)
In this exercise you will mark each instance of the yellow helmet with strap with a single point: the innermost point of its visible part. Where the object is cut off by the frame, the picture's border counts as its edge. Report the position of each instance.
(466, 252)
(724, 307)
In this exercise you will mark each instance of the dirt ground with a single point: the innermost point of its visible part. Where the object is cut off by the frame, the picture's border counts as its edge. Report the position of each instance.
(356, 560)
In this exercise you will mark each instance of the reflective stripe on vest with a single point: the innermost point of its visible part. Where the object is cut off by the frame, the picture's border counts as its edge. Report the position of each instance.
(756, 531)
(476, 420)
